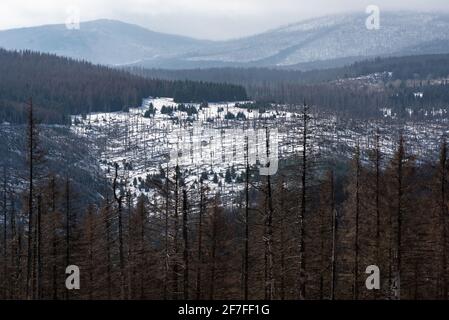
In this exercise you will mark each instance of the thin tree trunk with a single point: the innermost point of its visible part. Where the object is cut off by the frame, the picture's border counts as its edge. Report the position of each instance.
(54, 239)
(213, 255)
(334, 239)
(200, 244)
(108, 250)
(142, 251)
(67, 228)
(443, 215)
(167, 254)
(39, 248)
(5, 233)
(175, 239)
(246, 239)
(29, 287)
(185, 233)
(357, 214)
(377, 191)
(269, 281)
(302, 214)
(14, 252)
(119, 199)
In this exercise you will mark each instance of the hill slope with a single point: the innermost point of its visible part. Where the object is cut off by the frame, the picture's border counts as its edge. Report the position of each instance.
(101, 41)
(62, 86)
(332, 38)
(321, 42)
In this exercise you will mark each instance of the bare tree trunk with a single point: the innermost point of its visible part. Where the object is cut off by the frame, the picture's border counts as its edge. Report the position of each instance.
(119, 199)
(54, 239)
(269, 280)
(377, 191)
(334, 239)
(143, 219)
(357, 214)
(282, 258)
(31, 146)
(39, 248)
(91, 252)
(175, 239)
(185, 233)
(108, 249)
(130, 263)
(246, 239)
(302, 214)
(398, 241)
(5, 236)
(200, 244)
(167, 254)
(213, 253)
(67, 227)
(14, 252)
(443, 214)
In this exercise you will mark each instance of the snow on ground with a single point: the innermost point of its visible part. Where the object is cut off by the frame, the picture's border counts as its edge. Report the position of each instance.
(209, 144)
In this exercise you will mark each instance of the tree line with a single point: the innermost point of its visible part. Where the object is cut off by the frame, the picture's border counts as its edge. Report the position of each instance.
(318, 86)
(62, 87)
(308, 232)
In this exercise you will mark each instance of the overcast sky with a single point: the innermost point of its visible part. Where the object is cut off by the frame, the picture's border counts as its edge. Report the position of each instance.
(207, 19)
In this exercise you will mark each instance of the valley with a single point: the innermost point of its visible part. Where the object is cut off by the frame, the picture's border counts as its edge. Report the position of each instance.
(209, 145)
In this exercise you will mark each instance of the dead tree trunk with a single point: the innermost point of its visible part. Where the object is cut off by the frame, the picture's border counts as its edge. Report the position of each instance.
(185, 233)
(54, 239)
(302, 213)
(5, 236)
(357, 215)
(443, 214)
(268, 239)
(31, 147)
(200, 244)
(107, 217)
(39, 248)
(175, 238)
(119, 199)
(167, 254)
(334, 238)
(246, 239)
(67, 227)
(400, 158)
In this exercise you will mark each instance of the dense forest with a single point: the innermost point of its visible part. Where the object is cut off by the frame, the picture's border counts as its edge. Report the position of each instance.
(61, 87)
(332, 89)
(308, 232)
(403, 68)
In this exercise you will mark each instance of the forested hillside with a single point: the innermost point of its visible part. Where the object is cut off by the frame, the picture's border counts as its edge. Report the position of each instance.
(357, 90)
(308, 232)
(61, 86)
(406, 67)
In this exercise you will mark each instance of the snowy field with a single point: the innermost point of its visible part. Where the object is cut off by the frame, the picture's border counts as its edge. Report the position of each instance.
(209, 142)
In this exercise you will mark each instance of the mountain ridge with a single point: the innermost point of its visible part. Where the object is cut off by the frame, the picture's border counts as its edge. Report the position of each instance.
(305, 44)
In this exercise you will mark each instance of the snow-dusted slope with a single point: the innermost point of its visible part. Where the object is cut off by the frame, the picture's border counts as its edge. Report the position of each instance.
(102, 41)
(332, 38)
(207, 146)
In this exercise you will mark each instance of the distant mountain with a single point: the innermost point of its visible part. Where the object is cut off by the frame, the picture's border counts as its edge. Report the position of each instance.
(340, 38)
(101, 41)
(316, 43)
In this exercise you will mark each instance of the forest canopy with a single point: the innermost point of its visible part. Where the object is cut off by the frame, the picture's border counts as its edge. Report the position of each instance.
(61, 86)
